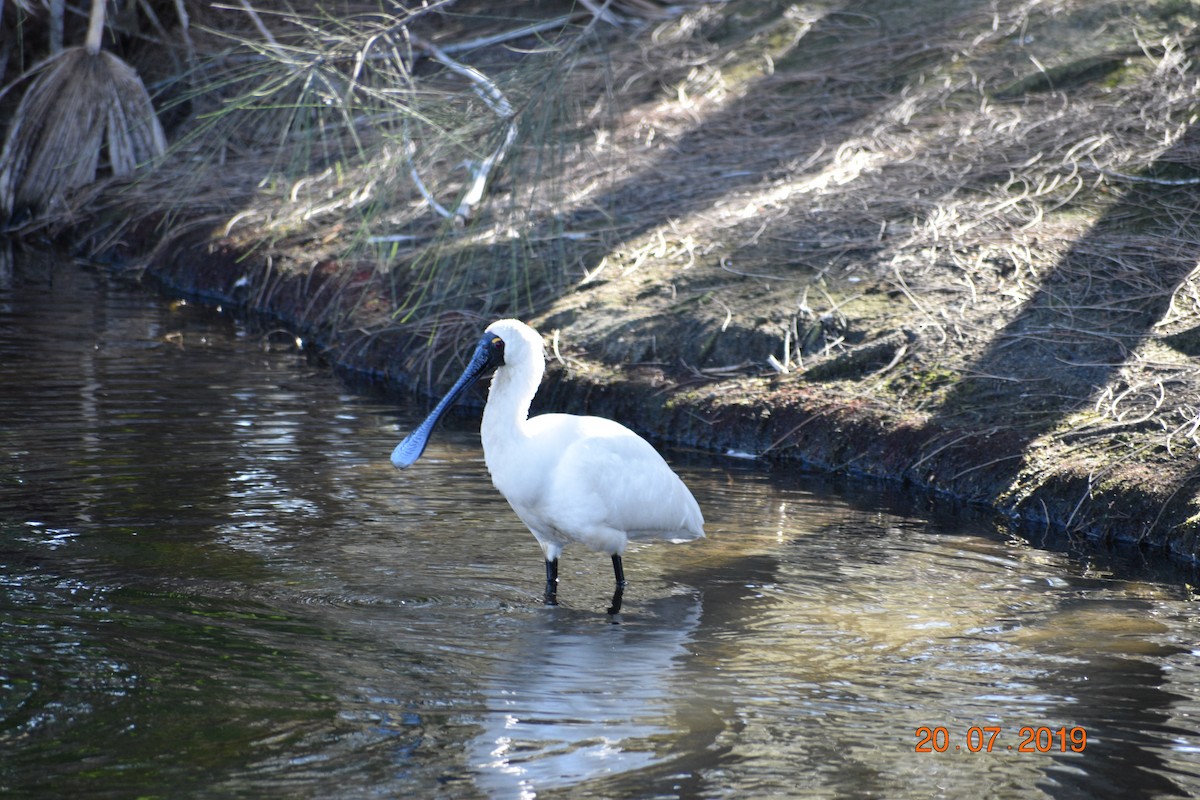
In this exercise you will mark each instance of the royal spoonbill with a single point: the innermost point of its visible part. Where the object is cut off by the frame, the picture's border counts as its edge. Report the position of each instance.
(569, 478)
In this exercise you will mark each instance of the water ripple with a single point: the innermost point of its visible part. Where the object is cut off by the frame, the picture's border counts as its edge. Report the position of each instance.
(215, 584)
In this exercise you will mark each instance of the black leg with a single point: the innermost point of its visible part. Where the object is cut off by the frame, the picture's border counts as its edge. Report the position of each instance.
(615, 608)
(619, 574)
(551, 582)
(619, 570)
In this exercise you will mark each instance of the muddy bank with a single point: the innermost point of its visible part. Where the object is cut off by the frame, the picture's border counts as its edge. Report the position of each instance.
(783, 418)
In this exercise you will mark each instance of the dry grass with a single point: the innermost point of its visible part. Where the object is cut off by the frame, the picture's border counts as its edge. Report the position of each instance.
(82, 112)
(310, 142)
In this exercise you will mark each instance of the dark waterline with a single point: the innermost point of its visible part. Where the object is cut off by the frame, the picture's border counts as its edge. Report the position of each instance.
(214, 584)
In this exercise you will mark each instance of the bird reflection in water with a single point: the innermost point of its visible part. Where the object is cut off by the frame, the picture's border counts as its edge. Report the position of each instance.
(580, 701)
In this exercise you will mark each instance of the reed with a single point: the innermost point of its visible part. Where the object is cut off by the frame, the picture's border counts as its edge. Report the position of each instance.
(84, 109)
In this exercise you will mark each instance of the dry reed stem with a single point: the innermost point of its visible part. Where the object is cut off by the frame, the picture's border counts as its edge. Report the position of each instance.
(81, 105)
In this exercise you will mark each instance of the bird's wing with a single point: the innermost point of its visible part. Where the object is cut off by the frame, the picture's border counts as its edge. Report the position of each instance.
(608, 475)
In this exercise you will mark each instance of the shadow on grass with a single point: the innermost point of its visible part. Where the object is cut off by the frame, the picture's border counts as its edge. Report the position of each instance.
(847, 66)
(1087, 318)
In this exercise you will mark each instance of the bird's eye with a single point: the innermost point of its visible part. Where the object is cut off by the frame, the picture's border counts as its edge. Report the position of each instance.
(498, 343)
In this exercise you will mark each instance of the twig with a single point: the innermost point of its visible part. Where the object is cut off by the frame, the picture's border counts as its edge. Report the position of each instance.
(410, 150)
(984, 465)
(601, 12)
(554, 347)
(507, 36)
(1108, 173)
(901, 352)
(951, 443)
(1086, 494)
(184, 23)
(1163, 508)
(394, 238)
(725, 262)
(262, 29)
(495, 100)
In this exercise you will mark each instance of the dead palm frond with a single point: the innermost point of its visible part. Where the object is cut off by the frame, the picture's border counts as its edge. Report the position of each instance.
(83, 106)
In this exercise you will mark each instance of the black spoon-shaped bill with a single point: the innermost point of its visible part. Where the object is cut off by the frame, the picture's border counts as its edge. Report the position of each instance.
(488, 354)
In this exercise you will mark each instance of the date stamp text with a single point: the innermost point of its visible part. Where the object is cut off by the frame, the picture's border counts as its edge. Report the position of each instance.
(989, 738)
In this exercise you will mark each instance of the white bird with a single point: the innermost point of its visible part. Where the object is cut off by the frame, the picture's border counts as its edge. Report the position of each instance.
(569, 478)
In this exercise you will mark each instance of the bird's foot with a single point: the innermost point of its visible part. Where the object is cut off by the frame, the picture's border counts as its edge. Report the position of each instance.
(618, 596)
(551, 593)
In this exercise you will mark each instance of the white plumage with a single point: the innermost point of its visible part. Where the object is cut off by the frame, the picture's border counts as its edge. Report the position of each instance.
(569, 478)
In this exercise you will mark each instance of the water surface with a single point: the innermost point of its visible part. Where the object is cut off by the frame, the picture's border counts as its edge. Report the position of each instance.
(214, 584)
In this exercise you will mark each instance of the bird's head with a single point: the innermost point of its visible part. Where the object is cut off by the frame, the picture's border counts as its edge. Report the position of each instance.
(505, 342)
(513, 342)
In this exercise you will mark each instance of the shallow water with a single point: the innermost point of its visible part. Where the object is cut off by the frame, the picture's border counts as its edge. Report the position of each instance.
(214, 584)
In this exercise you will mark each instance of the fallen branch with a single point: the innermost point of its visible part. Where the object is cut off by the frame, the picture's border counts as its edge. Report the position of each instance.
(480, 171)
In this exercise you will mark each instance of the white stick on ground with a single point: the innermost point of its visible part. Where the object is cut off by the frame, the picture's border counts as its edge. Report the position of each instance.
(480, 171)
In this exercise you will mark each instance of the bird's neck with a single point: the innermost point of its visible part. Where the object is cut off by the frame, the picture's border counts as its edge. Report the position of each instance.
(508, 403)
